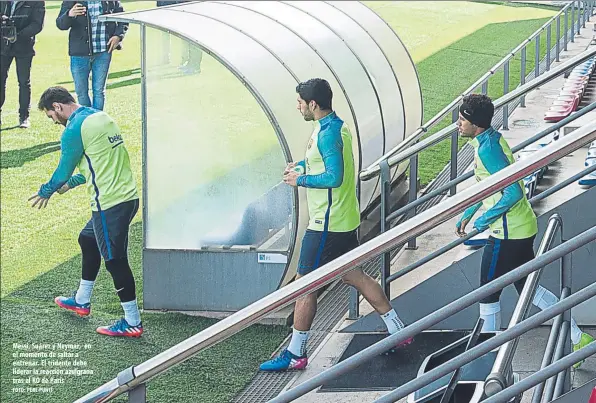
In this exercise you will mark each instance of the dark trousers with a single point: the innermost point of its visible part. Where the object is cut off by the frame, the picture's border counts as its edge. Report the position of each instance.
(24, 77)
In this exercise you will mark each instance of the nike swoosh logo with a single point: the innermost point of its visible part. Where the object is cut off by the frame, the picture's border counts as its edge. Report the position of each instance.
(120, 289)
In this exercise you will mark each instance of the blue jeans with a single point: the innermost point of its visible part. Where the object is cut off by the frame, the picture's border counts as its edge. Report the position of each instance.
(81, 67)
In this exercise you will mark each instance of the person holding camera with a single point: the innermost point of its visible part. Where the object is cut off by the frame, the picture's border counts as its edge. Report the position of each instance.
(21, 21)
(90, 45)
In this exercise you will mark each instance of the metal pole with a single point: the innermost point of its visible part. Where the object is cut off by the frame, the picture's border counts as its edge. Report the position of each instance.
(549, 389)
(566, 282)
(354, 304)
(584, 14)
(566, 33)
(483, 348)
(386, 257)
(560, 383)
(413, 195)
(537, 57)
(579, 17)
(485, 87)
(144, 115)
(550, 349)
(522, 77)
(534, 379)
(558, 48)
(497, 380)
(548, 46)
(506, 91)
(572, 40)
(447, 311)
(454, 150)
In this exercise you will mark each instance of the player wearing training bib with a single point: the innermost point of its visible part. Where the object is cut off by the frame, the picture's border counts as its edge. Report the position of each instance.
(508, 214)
(328, 174)
(92, 142)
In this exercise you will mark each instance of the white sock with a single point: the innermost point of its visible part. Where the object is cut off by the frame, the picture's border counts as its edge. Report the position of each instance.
(298, 343)
(84, 292)
(392, 321)
(131, 312)
(544, 299)
(491, 313)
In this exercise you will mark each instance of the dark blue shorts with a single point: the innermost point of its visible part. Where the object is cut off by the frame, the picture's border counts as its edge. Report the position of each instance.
(110, 229)
(319, 248)
(499, 257)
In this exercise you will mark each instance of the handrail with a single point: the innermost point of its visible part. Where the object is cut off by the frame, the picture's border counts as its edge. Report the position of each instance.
(496, 381)
(407, 142)
(469, 174)
(504, 100)
(447, 311)
(325, 274)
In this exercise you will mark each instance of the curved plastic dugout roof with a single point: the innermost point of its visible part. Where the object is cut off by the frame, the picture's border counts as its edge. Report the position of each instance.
(271, 46)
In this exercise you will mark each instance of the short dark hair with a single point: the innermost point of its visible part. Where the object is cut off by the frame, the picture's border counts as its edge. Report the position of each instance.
(478, 109)
(54, 94)
(318, 90)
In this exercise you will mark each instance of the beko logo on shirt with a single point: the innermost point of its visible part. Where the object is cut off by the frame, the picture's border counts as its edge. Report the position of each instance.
(115, 139)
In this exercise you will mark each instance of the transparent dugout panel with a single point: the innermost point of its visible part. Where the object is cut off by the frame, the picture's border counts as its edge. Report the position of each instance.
(214, 161)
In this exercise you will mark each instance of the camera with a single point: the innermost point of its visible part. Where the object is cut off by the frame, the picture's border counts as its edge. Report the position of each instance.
(9, 29)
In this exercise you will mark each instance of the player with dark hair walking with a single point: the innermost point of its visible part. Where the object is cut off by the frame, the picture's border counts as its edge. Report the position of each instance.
(508, 214)
(92, 142)
(328, 174)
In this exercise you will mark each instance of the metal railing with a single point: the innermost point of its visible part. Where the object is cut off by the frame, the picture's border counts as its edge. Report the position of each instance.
(498, 340)
(385, 163)
(134, 378)
(533, 200)
(374, 169)
(386, 217)
(451, 132)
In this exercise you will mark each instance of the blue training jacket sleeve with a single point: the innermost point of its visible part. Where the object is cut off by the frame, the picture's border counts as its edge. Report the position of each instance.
(469, 213)
(495, 160)
(76, 180)
(72, 152)
(331, 148)
(302, 164)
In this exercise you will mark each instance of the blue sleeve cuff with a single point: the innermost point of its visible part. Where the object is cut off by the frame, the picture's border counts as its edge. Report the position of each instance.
(76, 180)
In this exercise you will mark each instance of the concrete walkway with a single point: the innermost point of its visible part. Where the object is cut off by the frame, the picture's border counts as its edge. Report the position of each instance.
(524, 122)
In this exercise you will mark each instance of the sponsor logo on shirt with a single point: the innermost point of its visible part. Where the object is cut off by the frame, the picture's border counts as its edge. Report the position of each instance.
(115, 138)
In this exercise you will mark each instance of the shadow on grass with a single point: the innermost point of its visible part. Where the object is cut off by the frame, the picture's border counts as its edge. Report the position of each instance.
(117, 74)
(9, 128)
(124, 83)
(18, 158)
(124, 73)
